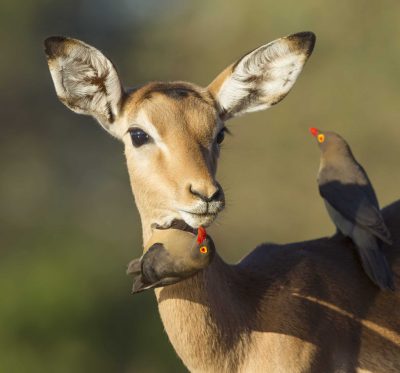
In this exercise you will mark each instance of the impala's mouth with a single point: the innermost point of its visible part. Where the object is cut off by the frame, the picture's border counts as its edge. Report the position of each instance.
(196, 220)
(199, 214)
(189, 221)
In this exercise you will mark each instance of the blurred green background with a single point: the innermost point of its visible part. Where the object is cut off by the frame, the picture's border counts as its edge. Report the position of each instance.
(68, 222)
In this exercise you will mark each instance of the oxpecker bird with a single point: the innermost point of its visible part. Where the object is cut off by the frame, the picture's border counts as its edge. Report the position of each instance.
(352, 205)
(171, 256)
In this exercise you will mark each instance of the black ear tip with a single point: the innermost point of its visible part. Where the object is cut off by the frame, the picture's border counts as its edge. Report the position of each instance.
(306, 36)
(305, 40)
(52, 45)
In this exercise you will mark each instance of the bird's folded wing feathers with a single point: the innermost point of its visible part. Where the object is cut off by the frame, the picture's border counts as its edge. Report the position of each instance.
(134, 267)
(353, 202)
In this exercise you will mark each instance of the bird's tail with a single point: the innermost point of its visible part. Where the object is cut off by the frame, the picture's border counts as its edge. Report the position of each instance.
(376, 266)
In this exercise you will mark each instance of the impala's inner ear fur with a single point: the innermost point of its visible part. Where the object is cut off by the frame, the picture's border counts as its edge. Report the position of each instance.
(262, 77)
(87, 82)
(84, 79)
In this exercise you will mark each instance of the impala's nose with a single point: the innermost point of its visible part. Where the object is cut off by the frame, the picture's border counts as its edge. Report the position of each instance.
(207, 193)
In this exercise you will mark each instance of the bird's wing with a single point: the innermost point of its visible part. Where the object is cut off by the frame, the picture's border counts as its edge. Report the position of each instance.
(134, 267)
(353, 202)
(139, 285)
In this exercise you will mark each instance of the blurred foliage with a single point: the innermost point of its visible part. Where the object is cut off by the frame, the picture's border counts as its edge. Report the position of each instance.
(68, 222)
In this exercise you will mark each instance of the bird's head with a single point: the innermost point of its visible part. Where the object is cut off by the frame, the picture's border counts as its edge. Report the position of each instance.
(203, 251)
(171, 256)
(329, 141)
(193, 249)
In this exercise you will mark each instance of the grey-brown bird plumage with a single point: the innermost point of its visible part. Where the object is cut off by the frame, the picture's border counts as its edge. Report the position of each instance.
(353, 206)
(170, 256)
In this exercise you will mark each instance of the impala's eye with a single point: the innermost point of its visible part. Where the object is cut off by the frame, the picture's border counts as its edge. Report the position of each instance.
(139, 137)
(221, 136)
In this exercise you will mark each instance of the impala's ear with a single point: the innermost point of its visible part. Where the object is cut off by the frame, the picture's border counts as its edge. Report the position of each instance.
(84, 79)
(262, 77)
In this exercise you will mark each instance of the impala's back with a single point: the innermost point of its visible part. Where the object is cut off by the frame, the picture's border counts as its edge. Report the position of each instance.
(317, 297)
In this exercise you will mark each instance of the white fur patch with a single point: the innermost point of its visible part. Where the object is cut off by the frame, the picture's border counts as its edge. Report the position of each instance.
(262, 78)
(143, 122)
(86, 81)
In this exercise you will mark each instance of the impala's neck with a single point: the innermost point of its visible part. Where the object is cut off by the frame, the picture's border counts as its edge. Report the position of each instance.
(204, 320)
(206, 316)
(146, 226)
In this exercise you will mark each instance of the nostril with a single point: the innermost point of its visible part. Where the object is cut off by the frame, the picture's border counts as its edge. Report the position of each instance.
(203, 196)
(197, 194)
(216, 194)
(192, 191)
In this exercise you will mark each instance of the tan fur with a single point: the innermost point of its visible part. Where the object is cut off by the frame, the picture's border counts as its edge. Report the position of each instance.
(216, 84)
(187, 128)
(303, 307)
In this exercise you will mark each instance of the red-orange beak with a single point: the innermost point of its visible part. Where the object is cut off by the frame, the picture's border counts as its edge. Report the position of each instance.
(201, 235)
(314, 131)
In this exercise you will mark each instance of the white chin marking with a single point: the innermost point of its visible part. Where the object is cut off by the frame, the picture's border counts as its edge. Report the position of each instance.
(166, 222)
(196, 221)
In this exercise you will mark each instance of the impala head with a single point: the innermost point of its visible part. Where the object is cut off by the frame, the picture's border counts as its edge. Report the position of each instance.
(172, 131)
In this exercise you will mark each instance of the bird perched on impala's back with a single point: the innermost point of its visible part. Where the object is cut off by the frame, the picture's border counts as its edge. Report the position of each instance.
(171, 255)
(352, 204)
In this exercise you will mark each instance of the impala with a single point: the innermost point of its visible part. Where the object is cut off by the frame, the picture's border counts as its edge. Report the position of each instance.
(301, 307)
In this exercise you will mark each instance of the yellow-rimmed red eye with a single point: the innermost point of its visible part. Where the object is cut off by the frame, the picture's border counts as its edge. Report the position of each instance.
(321, 138)
(203, 250)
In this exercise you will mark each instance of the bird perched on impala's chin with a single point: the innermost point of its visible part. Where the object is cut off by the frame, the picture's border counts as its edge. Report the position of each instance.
(352, 205)
(171, 255)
